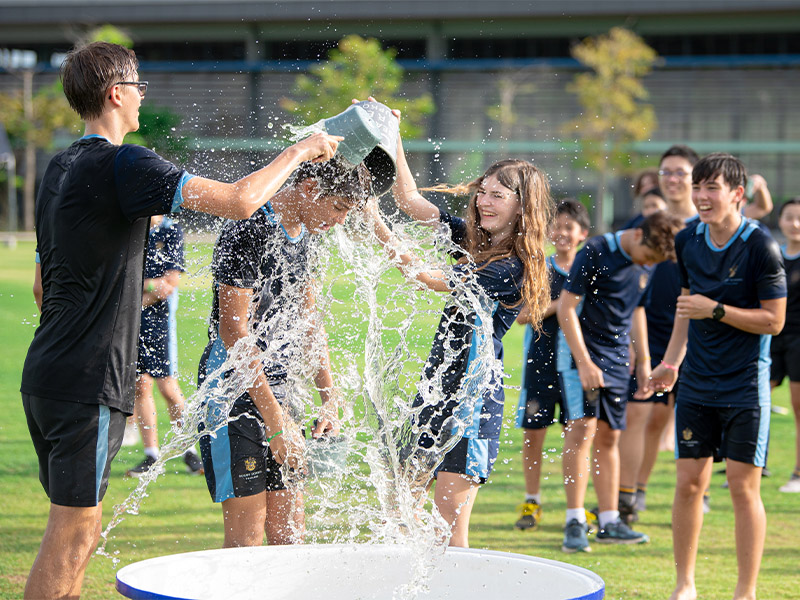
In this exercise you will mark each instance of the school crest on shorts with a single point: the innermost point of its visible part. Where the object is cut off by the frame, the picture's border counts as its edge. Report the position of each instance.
(250, 463)
(687, 434)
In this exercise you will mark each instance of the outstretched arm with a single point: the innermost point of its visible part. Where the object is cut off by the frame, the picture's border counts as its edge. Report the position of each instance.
(239, 200)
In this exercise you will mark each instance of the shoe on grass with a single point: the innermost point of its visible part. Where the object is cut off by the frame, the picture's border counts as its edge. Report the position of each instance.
(575, 537)
(641, 501)
(530, 516)
(792, 486)
(618, 532)
(193, 463)
(628, 513)
(142, 468)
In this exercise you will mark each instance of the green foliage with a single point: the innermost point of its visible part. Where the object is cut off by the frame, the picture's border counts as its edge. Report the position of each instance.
(111, 34)
(51, 113)
(612, 96)
(357, 68)
(158, 130)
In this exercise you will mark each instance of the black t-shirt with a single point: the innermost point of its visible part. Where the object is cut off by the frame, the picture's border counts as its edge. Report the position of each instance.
(792, 264)
(92, 220)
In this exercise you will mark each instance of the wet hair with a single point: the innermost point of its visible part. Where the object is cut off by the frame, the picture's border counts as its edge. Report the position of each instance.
(710, 167)
(791, 202)
(529, 235)
(638, 184)
(658, 233)
(88, 71)
(682, 151)
(335, 178)
(575, 211)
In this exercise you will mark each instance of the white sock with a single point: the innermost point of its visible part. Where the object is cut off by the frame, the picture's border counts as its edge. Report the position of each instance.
(533, 498)
(576, 513)
(152, 452)
(607, 516)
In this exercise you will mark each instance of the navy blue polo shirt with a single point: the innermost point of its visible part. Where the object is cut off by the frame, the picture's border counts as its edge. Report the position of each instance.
(612, 287)
(792, 265)
(725, 365)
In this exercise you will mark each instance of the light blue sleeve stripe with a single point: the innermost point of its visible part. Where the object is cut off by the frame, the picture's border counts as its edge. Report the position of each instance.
(177, 199)
(101, 452)
(37, 259)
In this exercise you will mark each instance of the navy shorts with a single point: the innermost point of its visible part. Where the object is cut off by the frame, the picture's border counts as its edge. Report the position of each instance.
(75, 444)
(737, 433)
(657, 398)
(537, 408)
(158, 344)
(605, 404)
(237, 461)
(785, 351)
(474, 458)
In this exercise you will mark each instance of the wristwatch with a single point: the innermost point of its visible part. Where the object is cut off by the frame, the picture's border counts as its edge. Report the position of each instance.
(718, 312)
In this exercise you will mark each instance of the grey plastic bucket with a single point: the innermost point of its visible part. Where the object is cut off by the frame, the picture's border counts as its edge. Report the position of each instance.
(360, 133)
(382, 161)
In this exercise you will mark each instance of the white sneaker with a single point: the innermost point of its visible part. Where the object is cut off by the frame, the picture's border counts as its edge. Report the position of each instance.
(792, 486)
(131, 436)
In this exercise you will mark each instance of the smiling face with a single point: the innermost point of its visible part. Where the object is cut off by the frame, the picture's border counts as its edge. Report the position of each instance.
(675, 178)
(717, 204)
(789, 223)
(498, 207)
(566, 233)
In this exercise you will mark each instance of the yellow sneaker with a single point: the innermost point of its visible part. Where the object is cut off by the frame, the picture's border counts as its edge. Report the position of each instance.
(530, 515)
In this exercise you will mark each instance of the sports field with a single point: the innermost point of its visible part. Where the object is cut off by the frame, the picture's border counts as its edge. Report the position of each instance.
(178, 515)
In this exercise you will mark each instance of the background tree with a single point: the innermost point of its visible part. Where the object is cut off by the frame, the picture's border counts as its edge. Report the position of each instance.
(357, 68)
(612, 96)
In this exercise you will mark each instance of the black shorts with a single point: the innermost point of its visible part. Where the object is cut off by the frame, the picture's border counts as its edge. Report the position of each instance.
(474, 458)
(740, 434)
(604, 404)
(75, 444)
(537, 409)
(785, 351)
(158, 349)
(237, 461)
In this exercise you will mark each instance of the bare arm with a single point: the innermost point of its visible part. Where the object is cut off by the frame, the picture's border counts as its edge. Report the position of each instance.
(162, 287)
(37, 286)
(234, 305)
(405, 193)
(641, 349)
(590, 374)
(664, 376)
(766, 320)
(762, 204)
(239, 200)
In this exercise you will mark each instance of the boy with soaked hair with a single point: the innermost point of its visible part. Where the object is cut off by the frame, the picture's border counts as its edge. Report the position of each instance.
(92, 220)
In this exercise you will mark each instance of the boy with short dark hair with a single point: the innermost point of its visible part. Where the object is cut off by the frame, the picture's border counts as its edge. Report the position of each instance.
(541, 390)
(599, 313)
(733, 298)
(92, 219)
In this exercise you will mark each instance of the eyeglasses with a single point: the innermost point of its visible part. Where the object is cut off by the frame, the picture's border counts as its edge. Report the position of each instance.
(140, 85)
(680, 173)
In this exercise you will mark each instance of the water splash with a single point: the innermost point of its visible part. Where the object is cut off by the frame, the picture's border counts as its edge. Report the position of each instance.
(376, 322)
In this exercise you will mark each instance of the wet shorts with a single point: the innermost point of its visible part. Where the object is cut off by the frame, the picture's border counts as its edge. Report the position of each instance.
(75, 444)
(237, 461)
(605, 404)
(740, 434)
(158, 350)
(537, 409)
(474, 458)
(785, 351)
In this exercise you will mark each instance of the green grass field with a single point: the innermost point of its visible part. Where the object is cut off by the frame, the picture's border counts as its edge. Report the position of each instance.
(178, 515)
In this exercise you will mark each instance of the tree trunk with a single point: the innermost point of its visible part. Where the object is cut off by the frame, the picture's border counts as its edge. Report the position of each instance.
(29, 190)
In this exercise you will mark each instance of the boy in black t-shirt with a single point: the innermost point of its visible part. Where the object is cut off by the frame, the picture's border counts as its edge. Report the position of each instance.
(92, 219)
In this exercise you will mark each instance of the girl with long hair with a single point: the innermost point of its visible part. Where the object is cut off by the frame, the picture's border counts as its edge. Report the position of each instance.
(502, 241)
